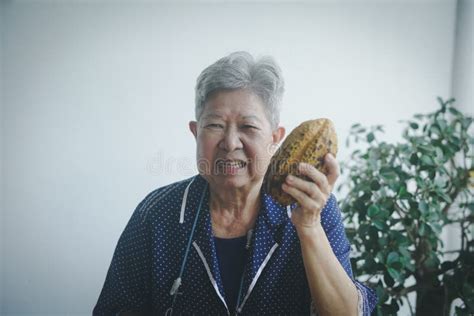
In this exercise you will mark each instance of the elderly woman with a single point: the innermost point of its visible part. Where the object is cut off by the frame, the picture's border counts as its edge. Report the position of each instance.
(217, 243)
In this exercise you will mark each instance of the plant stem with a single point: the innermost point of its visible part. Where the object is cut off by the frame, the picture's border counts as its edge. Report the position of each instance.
(411, 307)
(463, 229)
(405, 291)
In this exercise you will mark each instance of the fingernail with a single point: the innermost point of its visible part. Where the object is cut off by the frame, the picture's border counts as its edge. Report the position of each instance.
(290, 178)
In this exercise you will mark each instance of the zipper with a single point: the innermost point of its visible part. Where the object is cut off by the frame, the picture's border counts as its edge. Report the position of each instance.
(240, 293)
(259, 271)
(247, 247)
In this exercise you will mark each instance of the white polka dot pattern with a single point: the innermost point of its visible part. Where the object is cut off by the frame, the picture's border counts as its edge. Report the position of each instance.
(150, 252)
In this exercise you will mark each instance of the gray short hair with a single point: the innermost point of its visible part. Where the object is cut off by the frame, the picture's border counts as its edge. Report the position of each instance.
(240, 70)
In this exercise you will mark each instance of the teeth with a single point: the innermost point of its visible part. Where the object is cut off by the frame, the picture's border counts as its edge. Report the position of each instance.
(235, 164)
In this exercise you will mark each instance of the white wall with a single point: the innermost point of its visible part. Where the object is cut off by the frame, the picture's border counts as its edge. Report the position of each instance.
(98, 96)
(462, 83)
(461, 87)
(463, 68)
(2, 239)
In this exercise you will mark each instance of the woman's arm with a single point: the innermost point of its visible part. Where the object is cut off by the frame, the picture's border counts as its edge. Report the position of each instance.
(325, 250)
(332, 290)
(126, 287)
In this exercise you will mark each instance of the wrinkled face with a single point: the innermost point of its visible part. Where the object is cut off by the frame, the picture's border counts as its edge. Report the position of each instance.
(234, 139)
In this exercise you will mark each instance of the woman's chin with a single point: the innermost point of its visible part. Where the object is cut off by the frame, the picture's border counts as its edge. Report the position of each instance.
(234, 182)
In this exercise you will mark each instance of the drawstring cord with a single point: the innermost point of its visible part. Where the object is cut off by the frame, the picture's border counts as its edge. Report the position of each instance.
(177, 282)
(183, 204)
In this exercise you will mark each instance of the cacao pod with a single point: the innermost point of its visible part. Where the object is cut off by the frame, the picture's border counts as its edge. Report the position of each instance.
(309, 142)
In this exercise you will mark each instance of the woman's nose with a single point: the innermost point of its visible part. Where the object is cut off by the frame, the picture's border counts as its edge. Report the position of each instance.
(231, 140)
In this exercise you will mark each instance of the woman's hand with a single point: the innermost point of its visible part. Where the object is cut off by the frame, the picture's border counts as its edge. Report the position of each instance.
(311, 195)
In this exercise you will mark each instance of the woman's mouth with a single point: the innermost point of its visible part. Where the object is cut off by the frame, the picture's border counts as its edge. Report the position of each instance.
(230, 167)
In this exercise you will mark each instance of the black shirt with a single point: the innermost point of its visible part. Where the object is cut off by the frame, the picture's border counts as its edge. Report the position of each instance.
(231, 254)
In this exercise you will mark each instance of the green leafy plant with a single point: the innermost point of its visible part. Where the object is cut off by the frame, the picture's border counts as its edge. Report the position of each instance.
(401, 197)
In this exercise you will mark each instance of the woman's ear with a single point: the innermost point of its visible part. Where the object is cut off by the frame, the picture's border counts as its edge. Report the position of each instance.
(193, 128)
(278, 134)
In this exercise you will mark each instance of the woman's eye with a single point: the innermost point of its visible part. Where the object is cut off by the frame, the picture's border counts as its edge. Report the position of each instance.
(215, 125)
(250, 127)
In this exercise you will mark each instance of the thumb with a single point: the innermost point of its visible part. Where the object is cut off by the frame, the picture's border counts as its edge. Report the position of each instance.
(332, 169)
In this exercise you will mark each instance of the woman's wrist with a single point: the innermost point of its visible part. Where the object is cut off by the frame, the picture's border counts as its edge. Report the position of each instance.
(309, 231)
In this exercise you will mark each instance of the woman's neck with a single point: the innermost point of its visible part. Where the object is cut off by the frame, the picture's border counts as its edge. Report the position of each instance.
(233, 213)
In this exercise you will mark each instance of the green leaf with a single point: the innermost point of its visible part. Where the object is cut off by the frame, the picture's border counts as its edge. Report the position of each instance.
(363, 229)
(422, 229)
(466, 122)
(373, 211)
(394, 305)
(433, 261)
(392, 258)
(437, 228)
(467, 290)
(388, 278)
(454, 111)
(394, 185)
(426, 148)
(393, 273)
(410, 266)
(470, 206)
(370, 137)
(414, 125)
(439, 155)
(414, 159)
(404, 251)
(403, 193)
(460, 311)
(448, 265)
(444, 196)
(423, 207)
(388, 174)
(374, 185)
(381, 292)
(379, 224)
(442, 123)
(427, 161)
(435, 130)
(380, 257)
(402, 241)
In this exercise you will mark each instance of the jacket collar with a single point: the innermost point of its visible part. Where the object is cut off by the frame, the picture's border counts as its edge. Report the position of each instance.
(267, 235)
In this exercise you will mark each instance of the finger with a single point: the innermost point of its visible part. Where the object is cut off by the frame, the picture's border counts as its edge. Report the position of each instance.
(303, 199)
(332, 169)
(308, 187)
(316, 176)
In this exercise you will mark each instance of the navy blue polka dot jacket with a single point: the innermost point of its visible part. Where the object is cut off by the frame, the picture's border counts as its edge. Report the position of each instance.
(162, 265)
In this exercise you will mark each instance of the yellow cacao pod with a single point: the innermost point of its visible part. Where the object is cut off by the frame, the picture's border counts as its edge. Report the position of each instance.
(309, 142)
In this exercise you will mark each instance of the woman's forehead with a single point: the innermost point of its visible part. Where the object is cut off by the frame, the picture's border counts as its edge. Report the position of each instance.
(222, 116)
(235, 105)
(238, 103)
